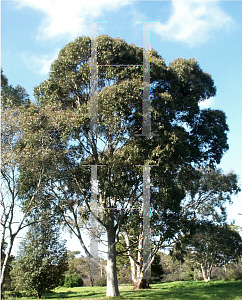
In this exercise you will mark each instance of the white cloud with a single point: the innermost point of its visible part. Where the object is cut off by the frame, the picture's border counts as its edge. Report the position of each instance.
(193, 22)
(40, 64)
(70, 17)
(208, 103)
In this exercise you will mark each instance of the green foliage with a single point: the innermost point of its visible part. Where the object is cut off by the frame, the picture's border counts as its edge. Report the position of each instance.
(123, 264)
(77, 265)
(73, 281)
(221, 244)
(14, 102)
(209, 246)
(102, 281)
(58, 136)
(231, 271)
(208, 194)
(156, 268)
(175, 270)
(12, 96)
(42, 259)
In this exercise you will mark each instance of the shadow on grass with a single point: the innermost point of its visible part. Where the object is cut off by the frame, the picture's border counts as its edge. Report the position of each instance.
(70, 294)
(51, 295)
(217, 290)
(191, 291)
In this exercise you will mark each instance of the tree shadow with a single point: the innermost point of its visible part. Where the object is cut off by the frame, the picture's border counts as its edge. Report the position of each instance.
(70, 294)
(198, 291)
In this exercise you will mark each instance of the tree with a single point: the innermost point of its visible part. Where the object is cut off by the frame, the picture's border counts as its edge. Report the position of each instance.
(81, 266)
(77, 265)
(213, 245)
(208, 194)
(167, 223)
(186, 136)
(14, 101)
(205, 197)
(42, 258)
(12, 96)
(156, 268)
(73, 281)
(6, 286)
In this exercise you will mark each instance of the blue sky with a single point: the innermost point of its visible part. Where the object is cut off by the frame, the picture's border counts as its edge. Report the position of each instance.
(33, 32)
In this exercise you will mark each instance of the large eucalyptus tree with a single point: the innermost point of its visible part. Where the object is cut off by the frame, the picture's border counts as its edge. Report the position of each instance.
(60, 135)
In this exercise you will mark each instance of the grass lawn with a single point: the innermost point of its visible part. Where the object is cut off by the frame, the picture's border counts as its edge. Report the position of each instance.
(215, 290)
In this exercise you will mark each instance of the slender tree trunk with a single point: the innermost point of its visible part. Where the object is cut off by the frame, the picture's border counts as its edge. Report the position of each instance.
(133, 264)
(133, 269)
(206, 273)
(112, 279)
(225, 269)
(209, 271)
(6, 261)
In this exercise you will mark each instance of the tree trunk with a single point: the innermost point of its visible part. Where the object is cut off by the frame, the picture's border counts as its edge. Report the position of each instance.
(112, 280)
(6, 261)
(225, 269)
(133, 264)
(133, 269)
(141, 284)
(206, 273)
(138, 281)
(209, 274)
(136, 267)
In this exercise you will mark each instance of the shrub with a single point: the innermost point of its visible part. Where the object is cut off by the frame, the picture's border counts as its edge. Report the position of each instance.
(102, 281)
(62, 280)
(73, 281)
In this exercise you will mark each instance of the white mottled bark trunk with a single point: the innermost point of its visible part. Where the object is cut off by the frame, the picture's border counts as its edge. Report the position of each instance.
(206, 273)
(6, 261)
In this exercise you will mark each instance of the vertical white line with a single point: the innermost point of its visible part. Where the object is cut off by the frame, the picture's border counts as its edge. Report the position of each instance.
(94, 81)
(146, 130)
(94, 128)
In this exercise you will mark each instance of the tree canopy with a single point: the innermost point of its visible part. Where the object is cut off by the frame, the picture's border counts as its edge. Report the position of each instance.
(14, 102)
(58, 135)
(211, 246)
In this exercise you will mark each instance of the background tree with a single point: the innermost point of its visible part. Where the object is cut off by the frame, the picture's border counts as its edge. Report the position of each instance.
(12, 96)
(42, 258)
(80, 265)
(72, 281)
(191, 200)
(14, 101)
(186, 136)
(157, 271)
(208, 194)
(232, 271)
(211, 246)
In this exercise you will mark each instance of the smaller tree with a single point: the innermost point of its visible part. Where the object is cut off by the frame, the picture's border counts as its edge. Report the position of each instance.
(14, 103)
(208, 194)
(80, 265)
(176, 270)
(157, 271)
(73, 281)
(42, 258)
(213, 246)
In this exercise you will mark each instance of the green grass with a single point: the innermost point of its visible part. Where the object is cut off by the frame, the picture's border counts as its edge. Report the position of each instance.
(215, 290)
